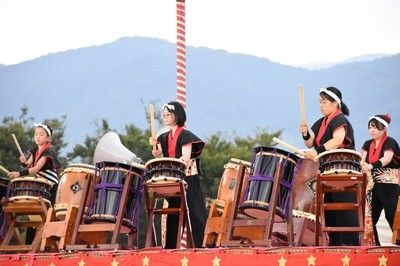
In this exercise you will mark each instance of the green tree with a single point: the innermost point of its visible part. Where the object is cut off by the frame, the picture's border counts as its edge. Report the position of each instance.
(84, 153)
(220, 150)
(24, 132)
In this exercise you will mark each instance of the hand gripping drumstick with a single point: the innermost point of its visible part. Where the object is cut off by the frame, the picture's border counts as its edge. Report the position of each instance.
(152, 124)
(290, 147)
(4, 170)
(17, 144)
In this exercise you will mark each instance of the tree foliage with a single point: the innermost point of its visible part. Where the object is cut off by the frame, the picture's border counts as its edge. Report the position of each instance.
(219, 148)
(23, 129)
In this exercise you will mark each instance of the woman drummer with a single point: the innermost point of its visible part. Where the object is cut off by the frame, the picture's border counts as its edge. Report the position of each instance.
(381, 160)
(332, 131)
(181, 143)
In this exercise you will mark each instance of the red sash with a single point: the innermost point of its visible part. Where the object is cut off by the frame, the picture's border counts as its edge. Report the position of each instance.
(373, 154)
(39, 152)
(324, 124)
(172, 141)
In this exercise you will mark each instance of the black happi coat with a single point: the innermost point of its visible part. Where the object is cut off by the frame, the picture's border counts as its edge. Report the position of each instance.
(194, 194)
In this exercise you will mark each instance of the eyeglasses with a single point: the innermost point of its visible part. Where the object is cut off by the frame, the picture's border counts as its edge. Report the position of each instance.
(166, 115)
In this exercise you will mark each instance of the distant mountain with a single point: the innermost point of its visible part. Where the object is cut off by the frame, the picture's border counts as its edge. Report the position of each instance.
(225, 92)
(361, 58)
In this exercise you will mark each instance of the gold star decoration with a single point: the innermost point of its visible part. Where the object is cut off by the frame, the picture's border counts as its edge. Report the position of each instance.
(184, 261)
(114, 263)
(382, 260)
(216, 261)
(282, 261)
(81, 263)
(311, 260)
(346, 260)
(145, 261)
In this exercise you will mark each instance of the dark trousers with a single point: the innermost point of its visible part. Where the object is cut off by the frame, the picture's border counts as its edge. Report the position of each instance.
(342, 218)
(384, 197)
(197, 211)
(31, 231)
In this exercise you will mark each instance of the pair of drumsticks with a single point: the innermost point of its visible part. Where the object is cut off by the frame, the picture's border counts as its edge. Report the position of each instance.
(20, 152)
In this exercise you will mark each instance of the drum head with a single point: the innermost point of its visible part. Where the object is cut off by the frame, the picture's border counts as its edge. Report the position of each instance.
(165, 161)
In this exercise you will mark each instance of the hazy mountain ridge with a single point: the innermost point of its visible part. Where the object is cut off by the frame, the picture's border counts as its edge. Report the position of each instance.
(225, 92)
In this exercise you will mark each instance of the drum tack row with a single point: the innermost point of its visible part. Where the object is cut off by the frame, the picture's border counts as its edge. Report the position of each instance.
(93, 202)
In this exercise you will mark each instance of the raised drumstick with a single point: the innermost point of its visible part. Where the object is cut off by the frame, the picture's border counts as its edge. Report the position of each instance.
(152, 124)
(17, 144)
(302, 104)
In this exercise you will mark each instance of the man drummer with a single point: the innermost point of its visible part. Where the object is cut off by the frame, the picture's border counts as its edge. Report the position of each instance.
(333, 131)
(42, 162)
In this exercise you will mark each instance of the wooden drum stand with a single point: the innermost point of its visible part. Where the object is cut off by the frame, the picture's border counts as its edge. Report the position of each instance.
(339, 183)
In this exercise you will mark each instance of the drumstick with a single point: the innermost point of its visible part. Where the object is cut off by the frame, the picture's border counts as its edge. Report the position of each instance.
(290, 147)
(4, 170)
(152, 124)
(16, 143)
(302, 105)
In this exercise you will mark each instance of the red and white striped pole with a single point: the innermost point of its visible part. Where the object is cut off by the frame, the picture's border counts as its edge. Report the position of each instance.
(181, 72)
(180, 53)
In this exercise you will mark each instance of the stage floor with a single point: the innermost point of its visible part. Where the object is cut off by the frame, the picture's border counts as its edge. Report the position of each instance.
(281, 256)
(388, 254)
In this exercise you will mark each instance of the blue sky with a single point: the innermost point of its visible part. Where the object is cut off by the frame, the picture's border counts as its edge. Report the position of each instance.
(287, 31)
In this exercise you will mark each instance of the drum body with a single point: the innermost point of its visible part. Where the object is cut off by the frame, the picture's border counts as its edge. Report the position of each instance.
(107, 193)
(304, 189)
(229, 179)
(70, 189)
(165, 171)
(28, 187)
(303, 202)
(339, 161)
(268, 165)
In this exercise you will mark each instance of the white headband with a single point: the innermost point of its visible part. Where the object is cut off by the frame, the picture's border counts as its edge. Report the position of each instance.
(334, 96)
(169, 106)
(380, 120)
(44, 126)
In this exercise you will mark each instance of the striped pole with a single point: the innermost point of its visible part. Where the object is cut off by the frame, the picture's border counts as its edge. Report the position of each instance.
(180, 53)
(181, 72)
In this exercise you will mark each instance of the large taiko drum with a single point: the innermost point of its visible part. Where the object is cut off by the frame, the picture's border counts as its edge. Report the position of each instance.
(339, 161)
(107, 193)
(304, 189)
(229, 179)
(164, 171)
(303, 202)
(29, 188)
(268, 165)
(73, 180)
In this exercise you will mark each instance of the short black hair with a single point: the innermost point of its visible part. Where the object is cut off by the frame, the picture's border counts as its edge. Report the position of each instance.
(178, 111)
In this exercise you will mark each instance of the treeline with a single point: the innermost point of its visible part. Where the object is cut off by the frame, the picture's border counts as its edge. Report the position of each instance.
(218, 151)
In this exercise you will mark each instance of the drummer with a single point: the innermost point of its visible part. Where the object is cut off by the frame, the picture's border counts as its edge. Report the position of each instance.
(41, 162)
(181, 143)
(381, 159)
(333, 131)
